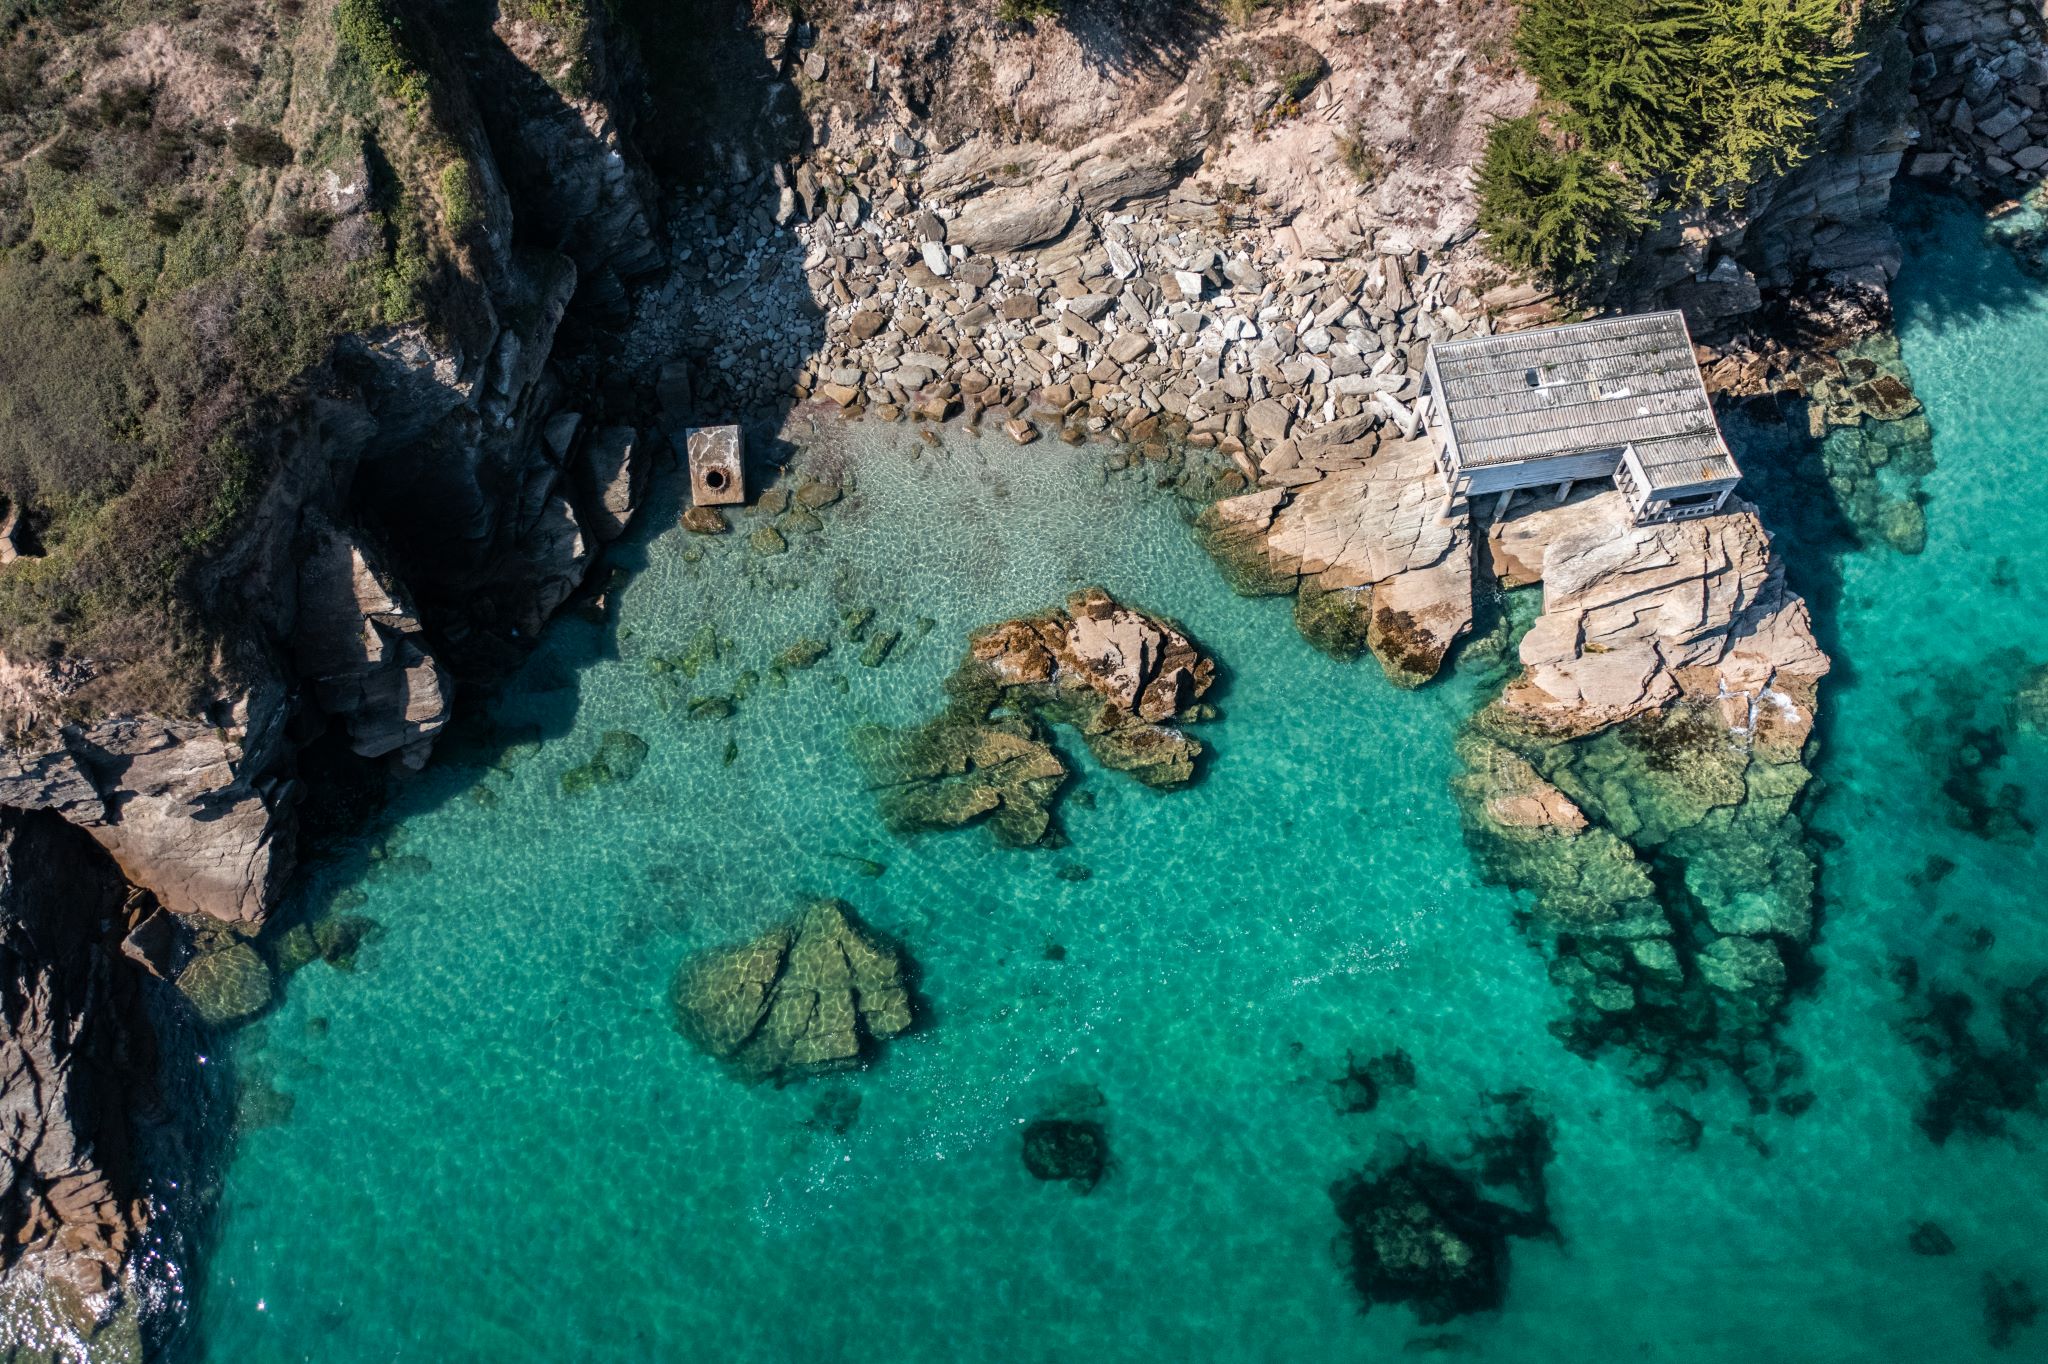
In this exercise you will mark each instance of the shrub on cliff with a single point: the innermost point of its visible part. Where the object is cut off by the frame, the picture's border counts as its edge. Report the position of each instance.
(1693, 100)
(1550, 209)
(169, 273)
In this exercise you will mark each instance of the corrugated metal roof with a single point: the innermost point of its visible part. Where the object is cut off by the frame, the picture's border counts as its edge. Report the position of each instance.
(1567, 390)
(1684, 461)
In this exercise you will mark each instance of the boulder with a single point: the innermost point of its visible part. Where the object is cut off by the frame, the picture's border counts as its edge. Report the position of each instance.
(1636, 617)
(227, 985)
(810, 995)
(1009, 220)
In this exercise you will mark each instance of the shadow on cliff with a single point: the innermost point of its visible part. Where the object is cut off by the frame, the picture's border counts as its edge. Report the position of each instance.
(668, 327)
(1141, 37)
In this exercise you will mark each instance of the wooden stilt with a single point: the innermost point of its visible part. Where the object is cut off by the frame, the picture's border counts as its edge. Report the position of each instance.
(1500, 508)
(1564, 490)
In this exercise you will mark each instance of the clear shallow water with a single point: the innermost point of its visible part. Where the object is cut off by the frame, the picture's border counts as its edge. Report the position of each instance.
(498, 1147)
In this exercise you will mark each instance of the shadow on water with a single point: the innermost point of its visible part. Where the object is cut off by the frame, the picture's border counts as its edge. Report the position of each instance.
(1943, 296)
(706, 116)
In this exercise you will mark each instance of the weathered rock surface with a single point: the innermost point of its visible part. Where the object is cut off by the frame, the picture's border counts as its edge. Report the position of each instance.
(361, 647)
(188, 809)
(69, 1215)
(1371, 529)
(1008, 220)
(810, 995)
(1124, 680)
(1635, 618)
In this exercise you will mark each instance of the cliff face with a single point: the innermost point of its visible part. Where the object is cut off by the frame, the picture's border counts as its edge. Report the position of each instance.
(75, 1057)
(427, 492)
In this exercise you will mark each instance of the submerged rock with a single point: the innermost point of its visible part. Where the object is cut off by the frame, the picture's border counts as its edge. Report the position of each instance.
(1075, 1150)
(2009, 1307)
(1982, 1076)
(1434, 1233)
(1125, 681)
(227, 985)
(1927, 1238)
(1642, 778)
(958, 769)
(1359, 1088)
(620, 756)
(813, 994)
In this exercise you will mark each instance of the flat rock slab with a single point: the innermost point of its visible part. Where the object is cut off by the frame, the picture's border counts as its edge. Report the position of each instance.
(1373, 522)
(1009, 220)
(1636, 617)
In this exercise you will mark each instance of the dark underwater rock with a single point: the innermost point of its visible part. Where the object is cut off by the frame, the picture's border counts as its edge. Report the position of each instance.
(1075, 1150)
(620, 756)
(1982, 1077)
(1677, 905)
(812, 994)
(2009, 1307)
(1359, 1088)
(1927, 1238)
(1434, 1233)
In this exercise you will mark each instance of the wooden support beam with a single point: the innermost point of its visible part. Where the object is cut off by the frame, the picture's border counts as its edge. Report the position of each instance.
(1500, 508)
(1564, 490)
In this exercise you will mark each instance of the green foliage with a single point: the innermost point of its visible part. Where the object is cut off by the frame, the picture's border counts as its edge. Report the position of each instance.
(461, 198)
(563, 15)
(375, 36)
(1702, 95)
(1693, 100)
(1366, 162)
(68, 408)
(1549, 209)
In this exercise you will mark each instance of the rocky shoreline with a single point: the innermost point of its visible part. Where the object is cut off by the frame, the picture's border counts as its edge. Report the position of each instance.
(445, 494)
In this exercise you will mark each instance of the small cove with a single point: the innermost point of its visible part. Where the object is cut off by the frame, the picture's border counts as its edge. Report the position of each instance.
(497, 1146)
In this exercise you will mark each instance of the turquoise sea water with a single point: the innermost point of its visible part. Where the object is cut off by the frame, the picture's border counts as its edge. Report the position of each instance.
(498, 1148)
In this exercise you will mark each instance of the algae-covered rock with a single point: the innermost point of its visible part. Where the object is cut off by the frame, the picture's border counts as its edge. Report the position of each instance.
(1904, 524)
(226, 985)
(810, 995)
(339, 937)
(712, 708)
(768, 542)
(1338, 623)
(1124, 680)
(2030, 702)
(1070, 1150)
(959, 769)
(620, 755)
(805, 653)
(1741, 965)
(705, 521)
(878, 648)
(1434, 1233)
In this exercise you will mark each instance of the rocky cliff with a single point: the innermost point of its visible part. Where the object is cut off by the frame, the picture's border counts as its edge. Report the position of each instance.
(76, 1069)
(431, 493)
